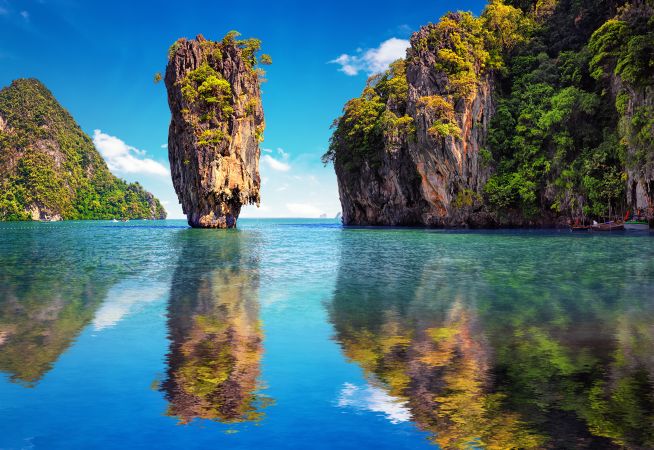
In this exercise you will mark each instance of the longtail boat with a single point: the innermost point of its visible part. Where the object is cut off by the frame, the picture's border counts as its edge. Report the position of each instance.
(608, 226)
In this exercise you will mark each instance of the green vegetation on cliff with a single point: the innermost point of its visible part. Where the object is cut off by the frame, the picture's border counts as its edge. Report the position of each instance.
(461, 47)
(572, 129)
(217, 123)
(49, 167)
(359, 132)
(558, 141)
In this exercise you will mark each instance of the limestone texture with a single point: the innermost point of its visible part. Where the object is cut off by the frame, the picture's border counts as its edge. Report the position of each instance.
(216, 126)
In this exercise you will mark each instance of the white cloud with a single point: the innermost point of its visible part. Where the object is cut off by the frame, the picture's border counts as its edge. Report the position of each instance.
(374, 399)
(123, 158)
(374, 60)
(25, 15)
(304, 210)
(275, 164)
(164, 145)
(281, 164)
(305, 190)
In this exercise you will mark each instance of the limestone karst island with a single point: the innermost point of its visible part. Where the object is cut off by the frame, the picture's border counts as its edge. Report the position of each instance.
(346, 225)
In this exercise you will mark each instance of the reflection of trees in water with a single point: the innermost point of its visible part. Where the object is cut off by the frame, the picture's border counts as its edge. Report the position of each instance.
(622, 403)
(47, 296)
(216, 337)
(493, 357)
(440, 366)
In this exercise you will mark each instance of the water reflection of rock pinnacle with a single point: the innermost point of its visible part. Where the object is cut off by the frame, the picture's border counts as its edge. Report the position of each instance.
(216, 337)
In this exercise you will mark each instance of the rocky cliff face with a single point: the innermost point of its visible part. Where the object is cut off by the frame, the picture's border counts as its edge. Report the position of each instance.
(505, 120)
(421, 165)
(623, 61)
(448, 163)
(215, 129)
(49, 168)
(640, 183)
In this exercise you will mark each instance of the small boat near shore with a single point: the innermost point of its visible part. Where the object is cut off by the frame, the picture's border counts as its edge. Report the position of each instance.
(608, 226)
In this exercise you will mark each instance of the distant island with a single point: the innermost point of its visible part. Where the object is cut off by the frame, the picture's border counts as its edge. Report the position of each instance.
(50, 169)
(532, 114)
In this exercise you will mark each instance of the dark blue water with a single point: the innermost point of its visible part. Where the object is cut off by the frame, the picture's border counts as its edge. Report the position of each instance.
(301, 334)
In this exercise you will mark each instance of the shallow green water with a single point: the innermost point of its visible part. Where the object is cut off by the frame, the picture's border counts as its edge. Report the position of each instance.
(301, 334)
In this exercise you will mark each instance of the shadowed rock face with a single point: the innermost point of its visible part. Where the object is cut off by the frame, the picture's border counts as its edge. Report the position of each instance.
(215, 128)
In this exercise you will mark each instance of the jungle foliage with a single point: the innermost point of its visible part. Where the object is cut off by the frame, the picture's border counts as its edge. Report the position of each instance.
(359, 133)
(561, 134)
(572, 117)
(208, 94)
(48, 162)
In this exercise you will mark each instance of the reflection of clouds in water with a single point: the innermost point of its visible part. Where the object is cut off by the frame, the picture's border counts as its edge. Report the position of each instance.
(123, 298)
(375, 399)
(274, 297)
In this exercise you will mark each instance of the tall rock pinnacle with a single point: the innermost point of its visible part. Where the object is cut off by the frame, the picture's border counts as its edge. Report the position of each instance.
(215, 128)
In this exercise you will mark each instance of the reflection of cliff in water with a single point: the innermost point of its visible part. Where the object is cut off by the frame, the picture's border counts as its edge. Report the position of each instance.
(484, 359)
(216, 337)
(46, 298)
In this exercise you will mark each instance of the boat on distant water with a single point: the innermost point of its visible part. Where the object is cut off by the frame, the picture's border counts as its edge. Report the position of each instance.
(608, 226)
(579, 225)
(114, 220)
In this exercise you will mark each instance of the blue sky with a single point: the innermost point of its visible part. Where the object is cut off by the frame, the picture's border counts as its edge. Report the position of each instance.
(99, 59)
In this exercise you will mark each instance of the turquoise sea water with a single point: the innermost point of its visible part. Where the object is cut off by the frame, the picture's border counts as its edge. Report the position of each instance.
(300, 334)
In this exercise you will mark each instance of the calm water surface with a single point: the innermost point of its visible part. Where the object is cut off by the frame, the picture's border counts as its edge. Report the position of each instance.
(304, 335)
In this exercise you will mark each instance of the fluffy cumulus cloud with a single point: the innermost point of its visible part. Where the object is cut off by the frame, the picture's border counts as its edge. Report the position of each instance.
(279, 163)
(374, 60)
(123, 158)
